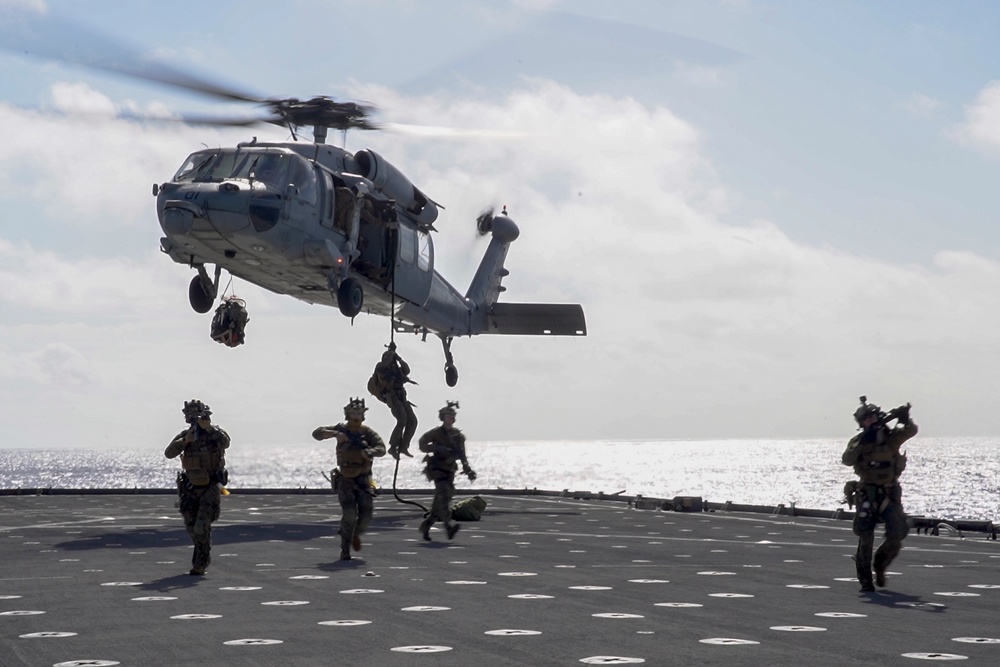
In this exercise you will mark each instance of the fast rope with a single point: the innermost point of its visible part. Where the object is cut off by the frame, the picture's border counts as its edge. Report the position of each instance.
(392, 334)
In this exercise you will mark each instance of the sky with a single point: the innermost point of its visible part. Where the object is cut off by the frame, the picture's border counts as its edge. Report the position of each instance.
(766, 209)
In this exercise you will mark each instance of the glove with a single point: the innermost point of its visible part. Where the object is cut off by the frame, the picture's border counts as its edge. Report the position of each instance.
(471, 474)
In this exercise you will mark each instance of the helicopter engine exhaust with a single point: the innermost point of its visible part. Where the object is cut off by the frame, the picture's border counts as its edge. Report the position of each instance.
(391, 181)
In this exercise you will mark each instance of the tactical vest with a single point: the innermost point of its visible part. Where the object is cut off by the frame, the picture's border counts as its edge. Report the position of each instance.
(879, 462)
(203, 457)
(351, 458)
(442, 464)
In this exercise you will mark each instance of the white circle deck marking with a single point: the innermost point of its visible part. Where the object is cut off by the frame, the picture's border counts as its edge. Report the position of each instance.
(154, 598)
(309, 576)
(285, 603)
(252, 642)
(530, 596)
(361, 591)
(517, 574)
(590, 588)
(649, 581)
(976, 640)
(922, 605)
(617, 614)
(20, 612)
(840, 614)
(240, 588)
(344, 623)
(122, 583)
(958, 594)
(611, 660)
(727, 641)
(9, 597)
(711, 573)
(465, 583)
(45, 635)
(425, 608)
(679, 605)
(797, 628)
(984, 585)
(806, 586)
(730, 595)
(935, 656)
(195, 617)
(87, 663)
(508, 632)
(421, 649)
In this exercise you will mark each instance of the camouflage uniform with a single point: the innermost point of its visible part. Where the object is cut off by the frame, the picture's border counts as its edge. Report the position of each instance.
(445, 448)
(357, 446)
(389, 386)
(203, 459)
(874, 454)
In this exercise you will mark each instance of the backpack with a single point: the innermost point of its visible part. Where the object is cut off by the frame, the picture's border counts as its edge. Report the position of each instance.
(468, 509)
(230, 321)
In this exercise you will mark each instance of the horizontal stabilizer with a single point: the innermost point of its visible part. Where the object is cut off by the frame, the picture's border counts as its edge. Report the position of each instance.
(537, 319)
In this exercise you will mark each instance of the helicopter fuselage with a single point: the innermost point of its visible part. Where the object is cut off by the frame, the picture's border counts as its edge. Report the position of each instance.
(325, 226)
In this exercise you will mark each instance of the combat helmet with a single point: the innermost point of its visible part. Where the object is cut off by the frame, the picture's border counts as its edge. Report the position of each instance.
(195, 408)
(356, 406)
(450, 409)
(866, 410)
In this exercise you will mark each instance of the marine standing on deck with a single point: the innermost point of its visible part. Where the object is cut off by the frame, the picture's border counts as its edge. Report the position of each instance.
(388, 384)
(445, 447)
(877, 495)
(357, 446)
(202, 448)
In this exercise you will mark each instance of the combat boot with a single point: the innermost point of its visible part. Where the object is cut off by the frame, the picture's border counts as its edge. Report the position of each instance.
(879, 571)
(867, 586)
(356, 542)
(197, 570)
(452, 529)
(394, 452)
(425, 531)
(345, 554)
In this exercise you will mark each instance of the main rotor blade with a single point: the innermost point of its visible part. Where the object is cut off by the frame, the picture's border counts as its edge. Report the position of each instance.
(50, 37)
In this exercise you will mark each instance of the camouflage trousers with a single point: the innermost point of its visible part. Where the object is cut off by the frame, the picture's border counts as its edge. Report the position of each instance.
(884, 506)
(406, 422)
(444, 491)
(200, 506)
(357, 505)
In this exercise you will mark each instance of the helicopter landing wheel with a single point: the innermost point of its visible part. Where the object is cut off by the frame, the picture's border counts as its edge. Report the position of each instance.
(451, 375)
(200, 300)
(350, 297)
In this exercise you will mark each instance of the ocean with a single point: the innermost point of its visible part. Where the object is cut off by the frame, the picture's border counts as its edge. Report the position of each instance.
(954, 478)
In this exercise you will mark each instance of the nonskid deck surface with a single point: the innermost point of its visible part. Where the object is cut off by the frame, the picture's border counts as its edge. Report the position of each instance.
(102, 580)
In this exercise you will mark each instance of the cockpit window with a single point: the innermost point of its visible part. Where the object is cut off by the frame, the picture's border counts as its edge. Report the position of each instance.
(276, 168)
(195, 166)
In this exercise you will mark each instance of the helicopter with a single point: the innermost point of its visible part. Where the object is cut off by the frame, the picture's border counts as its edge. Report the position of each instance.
(347, 230)
(313, 221)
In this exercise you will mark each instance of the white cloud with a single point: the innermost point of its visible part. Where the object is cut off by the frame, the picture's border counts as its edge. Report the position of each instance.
(920, 105)
(696, 328)
(981, 128)
(41, 280)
